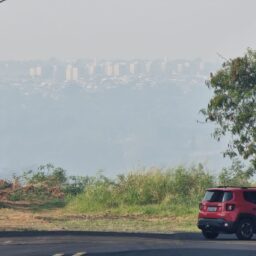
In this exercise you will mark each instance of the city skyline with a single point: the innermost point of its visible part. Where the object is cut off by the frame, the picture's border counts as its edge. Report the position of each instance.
(83, 69)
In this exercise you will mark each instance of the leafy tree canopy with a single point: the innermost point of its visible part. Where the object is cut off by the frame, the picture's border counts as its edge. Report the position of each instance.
(233, 106)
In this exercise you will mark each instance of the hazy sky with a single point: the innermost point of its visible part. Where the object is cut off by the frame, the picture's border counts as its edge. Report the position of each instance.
(126, 28)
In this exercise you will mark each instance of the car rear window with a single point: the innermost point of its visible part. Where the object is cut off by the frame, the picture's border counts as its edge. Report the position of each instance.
(218, 196)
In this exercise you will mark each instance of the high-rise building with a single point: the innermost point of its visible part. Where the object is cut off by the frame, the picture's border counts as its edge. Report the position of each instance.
(71, 73)
(35, 72)
(32, 72)
(38, 70)
(54, 72)
(164, 65)
(116, 69)
(148, 66)
(108, 69)
(91, 68)
(132, 68)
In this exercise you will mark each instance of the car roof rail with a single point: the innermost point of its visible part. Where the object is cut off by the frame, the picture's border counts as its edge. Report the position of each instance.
(243, 187)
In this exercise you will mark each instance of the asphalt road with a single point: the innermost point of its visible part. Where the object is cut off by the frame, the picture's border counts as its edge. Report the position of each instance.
(126, 244)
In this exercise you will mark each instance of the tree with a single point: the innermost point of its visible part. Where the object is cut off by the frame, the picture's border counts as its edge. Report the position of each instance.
(233, 106)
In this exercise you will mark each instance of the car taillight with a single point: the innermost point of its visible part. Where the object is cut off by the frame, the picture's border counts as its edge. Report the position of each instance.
(200, 206)
(230, 207)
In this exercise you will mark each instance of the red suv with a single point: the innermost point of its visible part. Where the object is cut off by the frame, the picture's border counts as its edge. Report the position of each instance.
(228, 210)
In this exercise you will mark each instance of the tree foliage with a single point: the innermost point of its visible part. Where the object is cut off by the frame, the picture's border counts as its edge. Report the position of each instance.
(233, 105)
(234, 175)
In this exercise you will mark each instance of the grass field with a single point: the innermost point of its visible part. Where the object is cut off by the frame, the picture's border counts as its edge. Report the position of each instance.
(58, 219)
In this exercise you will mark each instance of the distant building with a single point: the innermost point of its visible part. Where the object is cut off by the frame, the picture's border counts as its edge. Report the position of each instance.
(123, 69)
(32, 72)
(108, 69)
(148, 66)
(91, 68)
(116, 69)
(132, 68)
(38, 71)
(164, 65)
(71, 73)
(54, 72)
(35, 72)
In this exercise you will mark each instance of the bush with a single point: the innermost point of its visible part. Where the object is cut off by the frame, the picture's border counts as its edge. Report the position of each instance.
(76, 185)
(47, 175)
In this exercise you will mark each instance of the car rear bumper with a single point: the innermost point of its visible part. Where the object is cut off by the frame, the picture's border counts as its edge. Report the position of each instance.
(218, 225)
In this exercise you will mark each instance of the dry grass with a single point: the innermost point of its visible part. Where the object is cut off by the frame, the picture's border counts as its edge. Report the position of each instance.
(17, 219)
(11, 219)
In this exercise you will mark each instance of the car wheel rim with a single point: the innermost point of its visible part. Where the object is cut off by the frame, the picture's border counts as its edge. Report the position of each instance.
(246, 230)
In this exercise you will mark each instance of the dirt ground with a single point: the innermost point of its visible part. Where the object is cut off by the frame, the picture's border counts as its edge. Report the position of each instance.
(21, 219)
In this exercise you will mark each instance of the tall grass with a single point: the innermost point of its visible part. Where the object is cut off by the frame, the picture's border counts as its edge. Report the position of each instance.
(152, 192)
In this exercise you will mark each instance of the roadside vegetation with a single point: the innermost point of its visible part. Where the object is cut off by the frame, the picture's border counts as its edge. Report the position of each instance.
(153, 199)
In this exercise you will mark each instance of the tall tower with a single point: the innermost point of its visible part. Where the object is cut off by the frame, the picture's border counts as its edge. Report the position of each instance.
(69, 73)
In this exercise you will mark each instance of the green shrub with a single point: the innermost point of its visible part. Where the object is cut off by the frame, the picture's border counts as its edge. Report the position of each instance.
(16, 196)
(76, 185)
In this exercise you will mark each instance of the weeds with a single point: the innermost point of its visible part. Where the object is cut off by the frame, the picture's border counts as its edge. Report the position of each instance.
(149, 192)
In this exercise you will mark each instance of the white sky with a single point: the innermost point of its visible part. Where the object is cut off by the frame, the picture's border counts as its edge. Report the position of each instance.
(32, 29)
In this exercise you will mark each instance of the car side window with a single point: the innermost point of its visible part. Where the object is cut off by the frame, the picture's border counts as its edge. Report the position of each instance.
(227, 196)
(250, 196)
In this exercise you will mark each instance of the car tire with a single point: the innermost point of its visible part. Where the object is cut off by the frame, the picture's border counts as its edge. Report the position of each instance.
(245, 229)
(210, 234)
